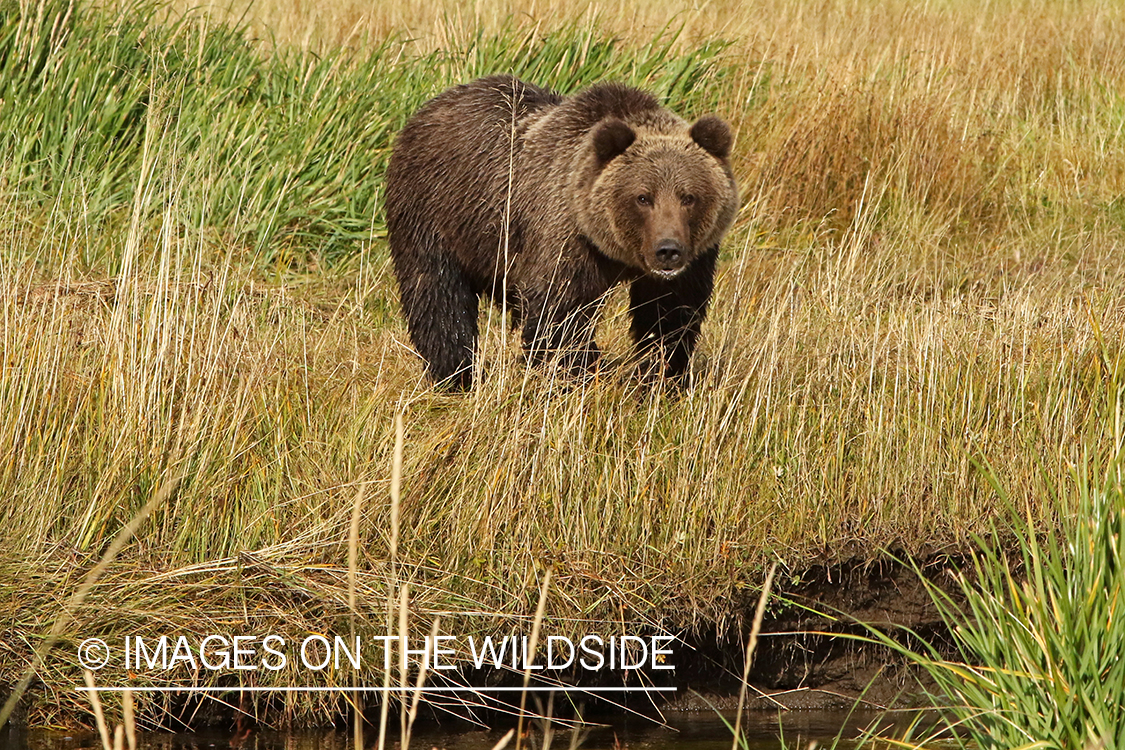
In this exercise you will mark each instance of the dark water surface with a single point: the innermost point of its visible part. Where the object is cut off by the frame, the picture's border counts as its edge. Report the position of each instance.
(685, 731)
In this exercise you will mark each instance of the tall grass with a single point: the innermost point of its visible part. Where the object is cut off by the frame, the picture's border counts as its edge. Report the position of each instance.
(1036, 629)
(1039, 662)
(278, 150)
(194, 283)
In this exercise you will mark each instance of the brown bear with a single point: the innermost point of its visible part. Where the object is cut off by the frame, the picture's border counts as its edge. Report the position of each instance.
(543, 203)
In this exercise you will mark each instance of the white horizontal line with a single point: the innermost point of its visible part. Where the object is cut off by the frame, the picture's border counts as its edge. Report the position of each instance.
(532, 689)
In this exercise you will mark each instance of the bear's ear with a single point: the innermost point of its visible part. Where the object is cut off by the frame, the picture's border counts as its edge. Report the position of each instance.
(712, 135)
(611, 138)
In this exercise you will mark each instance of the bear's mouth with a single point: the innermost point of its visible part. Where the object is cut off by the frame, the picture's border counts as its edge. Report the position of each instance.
(666, 274)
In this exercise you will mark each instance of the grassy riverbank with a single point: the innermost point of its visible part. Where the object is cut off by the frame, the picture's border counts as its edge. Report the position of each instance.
(926, 273)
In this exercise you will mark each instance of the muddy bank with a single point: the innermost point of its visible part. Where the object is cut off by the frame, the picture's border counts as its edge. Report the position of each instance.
(802, 661)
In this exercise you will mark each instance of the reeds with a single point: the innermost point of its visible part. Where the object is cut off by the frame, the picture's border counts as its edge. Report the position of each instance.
(280, 151)
(1038, 648)
(1035, 625)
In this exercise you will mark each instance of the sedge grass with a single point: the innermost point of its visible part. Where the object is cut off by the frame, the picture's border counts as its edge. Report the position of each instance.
(1035, 628)
(284, 151)
(194, 282)
(1038, 662)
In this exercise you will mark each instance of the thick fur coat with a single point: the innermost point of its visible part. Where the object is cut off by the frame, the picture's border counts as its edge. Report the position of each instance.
(503, 189)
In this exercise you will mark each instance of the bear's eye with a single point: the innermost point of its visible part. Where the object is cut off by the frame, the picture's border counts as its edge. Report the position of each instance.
(687, 200)
(645, 200)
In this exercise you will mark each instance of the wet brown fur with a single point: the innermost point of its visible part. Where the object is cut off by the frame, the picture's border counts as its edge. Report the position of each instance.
(501, 188)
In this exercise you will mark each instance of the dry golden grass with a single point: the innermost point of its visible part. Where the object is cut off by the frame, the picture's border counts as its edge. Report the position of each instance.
(926, 273)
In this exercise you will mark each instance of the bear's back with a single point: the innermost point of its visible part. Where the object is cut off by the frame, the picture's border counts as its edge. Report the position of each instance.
(449, 172)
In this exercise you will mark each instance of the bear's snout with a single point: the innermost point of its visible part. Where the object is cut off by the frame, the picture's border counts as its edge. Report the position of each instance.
(665, 235)
(671, 257)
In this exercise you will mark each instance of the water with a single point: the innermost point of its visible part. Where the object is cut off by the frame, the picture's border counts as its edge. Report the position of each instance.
(685, 731)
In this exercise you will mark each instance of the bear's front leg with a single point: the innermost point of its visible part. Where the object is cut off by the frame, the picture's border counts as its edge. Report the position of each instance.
(667, 316)
(561, 330)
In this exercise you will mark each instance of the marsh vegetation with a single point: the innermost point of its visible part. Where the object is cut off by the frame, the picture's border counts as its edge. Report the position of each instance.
(925, 276)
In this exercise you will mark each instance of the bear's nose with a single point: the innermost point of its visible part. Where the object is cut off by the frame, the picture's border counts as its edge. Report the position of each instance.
(669, 255)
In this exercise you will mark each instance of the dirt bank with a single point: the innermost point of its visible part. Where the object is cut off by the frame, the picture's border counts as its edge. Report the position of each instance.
(802, 661)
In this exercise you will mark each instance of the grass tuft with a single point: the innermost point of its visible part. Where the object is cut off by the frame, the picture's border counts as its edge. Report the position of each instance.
(1039, 648)
(1036, 626)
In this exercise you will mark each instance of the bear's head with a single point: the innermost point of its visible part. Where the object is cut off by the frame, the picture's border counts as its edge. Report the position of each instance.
(657, 195)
